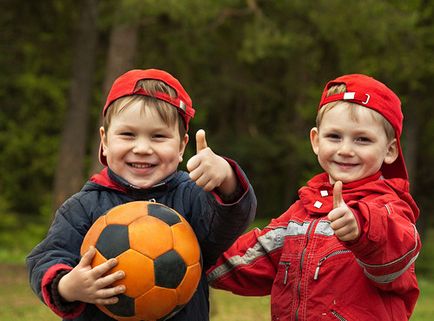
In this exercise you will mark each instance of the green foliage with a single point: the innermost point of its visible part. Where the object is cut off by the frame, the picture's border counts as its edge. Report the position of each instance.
(254, 69)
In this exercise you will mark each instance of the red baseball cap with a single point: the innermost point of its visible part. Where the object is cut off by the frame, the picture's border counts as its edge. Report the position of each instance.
(369, 92)
(126, 85)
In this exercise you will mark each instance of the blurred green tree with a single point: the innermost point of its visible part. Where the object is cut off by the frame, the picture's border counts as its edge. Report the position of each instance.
(254, 69)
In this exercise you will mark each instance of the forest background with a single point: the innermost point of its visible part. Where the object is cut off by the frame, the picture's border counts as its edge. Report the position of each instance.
(255, 70)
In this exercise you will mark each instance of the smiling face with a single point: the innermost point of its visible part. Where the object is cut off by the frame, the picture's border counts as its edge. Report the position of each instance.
(351, 146)
(140, 147)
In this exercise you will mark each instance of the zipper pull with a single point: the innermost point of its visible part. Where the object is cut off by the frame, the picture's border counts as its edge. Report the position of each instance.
(285, 277)
(315, 277)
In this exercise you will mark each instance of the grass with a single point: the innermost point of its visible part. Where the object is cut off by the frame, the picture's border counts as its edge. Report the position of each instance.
(19, 303)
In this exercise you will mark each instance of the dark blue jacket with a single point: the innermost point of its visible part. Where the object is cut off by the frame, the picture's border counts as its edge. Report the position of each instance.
(215, 223)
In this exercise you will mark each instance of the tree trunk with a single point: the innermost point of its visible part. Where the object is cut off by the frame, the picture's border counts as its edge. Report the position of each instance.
(123, 46)
(69, 172)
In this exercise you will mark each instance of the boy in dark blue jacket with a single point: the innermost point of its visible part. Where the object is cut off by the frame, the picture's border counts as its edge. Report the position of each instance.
(143, 139)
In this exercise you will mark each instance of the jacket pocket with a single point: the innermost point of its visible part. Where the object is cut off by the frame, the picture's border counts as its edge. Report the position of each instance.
(285, 265)
(328, 257)
(338, 316)
(281, 303)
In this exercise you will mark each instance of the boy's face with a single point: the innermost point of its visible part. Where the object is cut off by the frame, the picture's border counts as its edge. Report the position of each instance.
(350, 149)
(140, 147)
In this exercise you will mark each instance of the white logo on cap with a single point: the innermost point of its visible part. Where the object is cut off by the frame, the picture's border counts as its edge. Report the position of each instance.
(349, 95)
(182, 105)
(352, 95)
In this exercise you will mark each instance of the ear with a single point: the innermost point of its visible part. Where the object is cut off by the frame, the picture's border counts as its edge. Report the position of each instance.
(314, 139)
(103, 136)
(392, 152)
(184, 142)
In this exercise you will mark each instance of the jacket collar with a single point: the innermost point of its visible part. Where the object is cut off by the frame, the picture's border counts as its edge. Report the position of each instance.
(317, 195)
(111, 180)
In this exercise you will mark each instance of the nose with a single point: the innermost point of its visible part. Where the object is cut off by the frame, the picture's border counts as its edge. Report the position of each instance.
(345, 148)
(142, 146)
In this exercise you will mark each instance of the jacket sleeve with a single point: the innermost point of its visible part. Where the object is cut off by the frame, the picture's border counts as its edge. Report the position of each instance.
(250, 265)
(58, 253)
(389, 243)
(218, 224)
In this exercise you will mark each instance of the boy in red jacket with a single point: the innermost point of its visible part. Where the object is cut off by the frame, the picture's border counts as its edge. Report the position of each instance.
(346, 249)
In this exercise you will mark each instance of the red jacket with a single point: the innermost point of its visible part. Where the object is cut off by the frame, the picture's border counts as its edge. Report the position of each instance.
(312, 275)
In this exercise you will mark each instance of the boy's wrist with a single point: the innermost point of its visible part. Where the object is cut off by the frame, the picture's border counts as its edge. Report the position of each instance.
(59, 301)
(62, 286)
(231, 197)
(230, 183)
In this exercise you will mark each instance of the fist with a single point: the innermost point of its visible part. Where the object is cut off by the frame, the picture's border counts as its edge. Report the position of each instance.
(207, 169)
(343, 221)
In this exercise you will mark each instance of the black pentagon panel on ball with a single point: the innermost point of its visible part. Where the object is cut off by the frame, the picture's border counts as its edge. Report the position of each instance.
(169, 270)
(113, 240)
(164, 213)
(124, 307)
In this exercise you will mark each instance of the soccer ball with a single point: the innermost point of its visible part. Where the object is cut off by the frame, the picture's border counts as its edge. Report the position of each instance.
(159, 253)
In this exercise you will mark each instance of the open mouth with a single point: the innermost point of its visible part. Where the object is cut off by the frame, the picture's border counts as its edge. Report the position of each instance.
(141, 165)
(347, 165)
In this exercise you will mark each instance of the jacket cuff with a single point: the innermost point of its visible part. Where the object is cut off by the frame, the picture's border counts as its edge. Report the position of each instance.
(52, 297)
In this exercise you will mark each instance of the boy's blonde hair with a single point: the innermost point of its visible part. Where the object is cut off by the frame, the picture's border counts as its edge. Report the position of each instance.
(354, 111)
(166, 111)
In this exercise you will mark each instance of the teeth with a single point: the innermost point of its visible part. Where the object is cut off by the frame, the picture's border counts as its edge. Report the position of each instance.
(140, 165)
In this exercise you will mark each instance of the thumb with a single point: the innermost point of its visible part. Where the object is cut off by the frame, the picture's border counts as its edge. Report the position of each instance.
(200, 140)
(337, 195)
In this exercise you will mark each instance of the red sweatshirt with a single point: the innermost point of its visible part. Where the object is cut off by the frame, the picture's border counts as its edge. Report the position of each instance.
(312, 275)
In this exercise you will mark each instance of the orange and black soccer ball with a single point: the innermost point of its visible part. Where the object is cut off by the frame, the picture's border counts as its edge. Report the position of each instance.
(159, 253)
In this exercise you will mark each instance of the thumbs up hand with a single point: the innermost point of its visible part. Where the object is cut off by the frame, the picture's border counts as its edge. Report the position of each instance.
(209, 170)
(343, 221)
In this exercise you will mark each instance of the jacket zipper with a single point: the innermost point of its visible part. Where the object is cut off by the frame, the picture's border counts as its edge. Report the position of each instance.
(320, 262)
(338, 316)
(285, 277)
(301, 265)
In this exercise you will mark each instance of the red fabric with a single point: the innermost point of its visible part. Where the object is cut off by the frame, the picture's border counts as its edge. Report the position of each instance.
(126, 84)
(102, 178)
(46, 293)
(316, 276)
(369, 92)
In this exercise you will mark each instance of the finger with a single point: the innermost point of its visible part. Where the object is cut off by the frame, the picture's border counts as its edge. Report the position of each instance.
(88, 257)
(193, 163)
(200, 140)
(337, 195)
(346, 234)
(106, 281)
(338, 222)
(108, 301)
(195, 175)
(335, 214)
(104, 267)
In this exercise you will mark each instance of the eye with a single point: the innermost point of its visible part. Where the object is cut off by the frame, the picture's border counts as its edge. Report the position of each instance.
(363, 140)
(160, 136)
(126, 134)
(333, 136)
